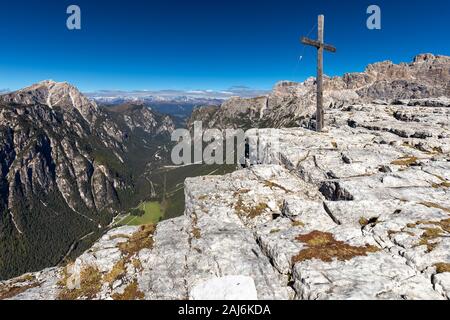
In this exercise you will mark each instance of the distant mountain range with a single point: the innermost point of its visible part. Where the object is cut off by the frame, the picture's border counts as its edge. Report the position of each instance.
(120, 99)
(176, 103)
(202, 97)
(179, 108)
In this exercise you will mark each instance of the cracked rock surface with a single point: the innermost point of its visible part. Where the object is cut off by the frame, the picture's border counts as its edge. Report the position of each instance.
(361, 211)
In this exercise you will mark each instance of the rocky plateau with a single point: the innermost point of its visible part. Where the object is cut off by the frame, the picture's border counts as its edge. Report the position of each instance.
(360, 211)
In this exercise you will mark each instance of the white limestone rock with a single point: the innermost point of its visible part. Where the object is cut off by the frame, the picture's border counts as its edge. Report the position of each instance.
(441, 283)
(360, 211)
(225, 288)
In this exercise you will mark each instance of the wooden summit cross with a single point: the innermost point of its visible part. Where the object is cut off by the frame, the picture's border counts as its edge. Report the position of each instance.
(320, 45)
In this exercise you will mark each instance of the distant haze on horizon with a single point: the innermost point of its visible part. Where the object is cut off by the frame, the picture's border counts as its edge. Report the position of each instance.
(243, 92)
(206, 48)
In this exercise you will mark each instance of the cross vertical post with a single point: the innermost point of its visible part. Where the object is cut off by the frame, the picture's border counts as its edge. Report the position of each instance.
(321, 46)
(320, 113)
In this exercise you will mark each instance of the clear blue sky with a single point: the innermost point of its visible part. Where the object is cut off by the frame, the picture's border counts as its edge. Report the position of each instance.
(215, 44)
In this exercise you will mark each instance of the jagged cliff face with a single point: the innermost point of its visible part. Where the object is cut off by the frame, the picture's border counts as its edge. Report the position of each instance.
(63, 167)
(293, 104)
(360, 211)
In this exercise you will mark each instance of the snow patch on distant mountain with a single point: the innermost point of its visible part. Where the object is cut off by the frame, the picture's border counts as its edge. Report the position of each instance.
(204, 97)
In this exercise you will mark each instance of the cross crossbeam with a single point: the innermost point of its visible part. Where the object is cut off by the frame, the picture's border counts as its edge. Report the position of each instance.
(315, 43)
(321, 46)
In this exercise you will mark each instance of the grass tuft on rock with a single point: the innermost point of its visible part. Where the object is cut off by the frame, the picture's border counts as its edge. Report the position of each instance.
(273, 185)
(435, 206)
(195, 229)
(18, 287)
(90, 285)
(116, 273)
(298, 223)
(430, 234)
(444, 184)
(141, 239)
(240, 192)
(249, 211)
(406, 161)
(442, 267)
(323, 246)
(137, 264)
(131, 292)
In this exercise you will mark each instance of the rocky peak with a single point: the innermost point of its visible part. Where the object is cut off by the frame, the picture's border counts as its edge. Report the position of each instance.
(54, 94)
(284, 85)
(285, 88)
(138, 115)
(67, 164)
(427, 57)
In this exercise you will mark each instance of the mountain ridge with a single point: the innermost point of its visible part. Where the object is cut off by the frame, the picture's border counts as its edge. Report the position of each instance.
(293, 104)
(62, 155)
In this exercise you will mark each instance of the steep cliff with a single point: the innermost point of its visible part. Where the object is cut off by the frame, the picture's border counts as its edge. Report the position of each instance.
(66, 167)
